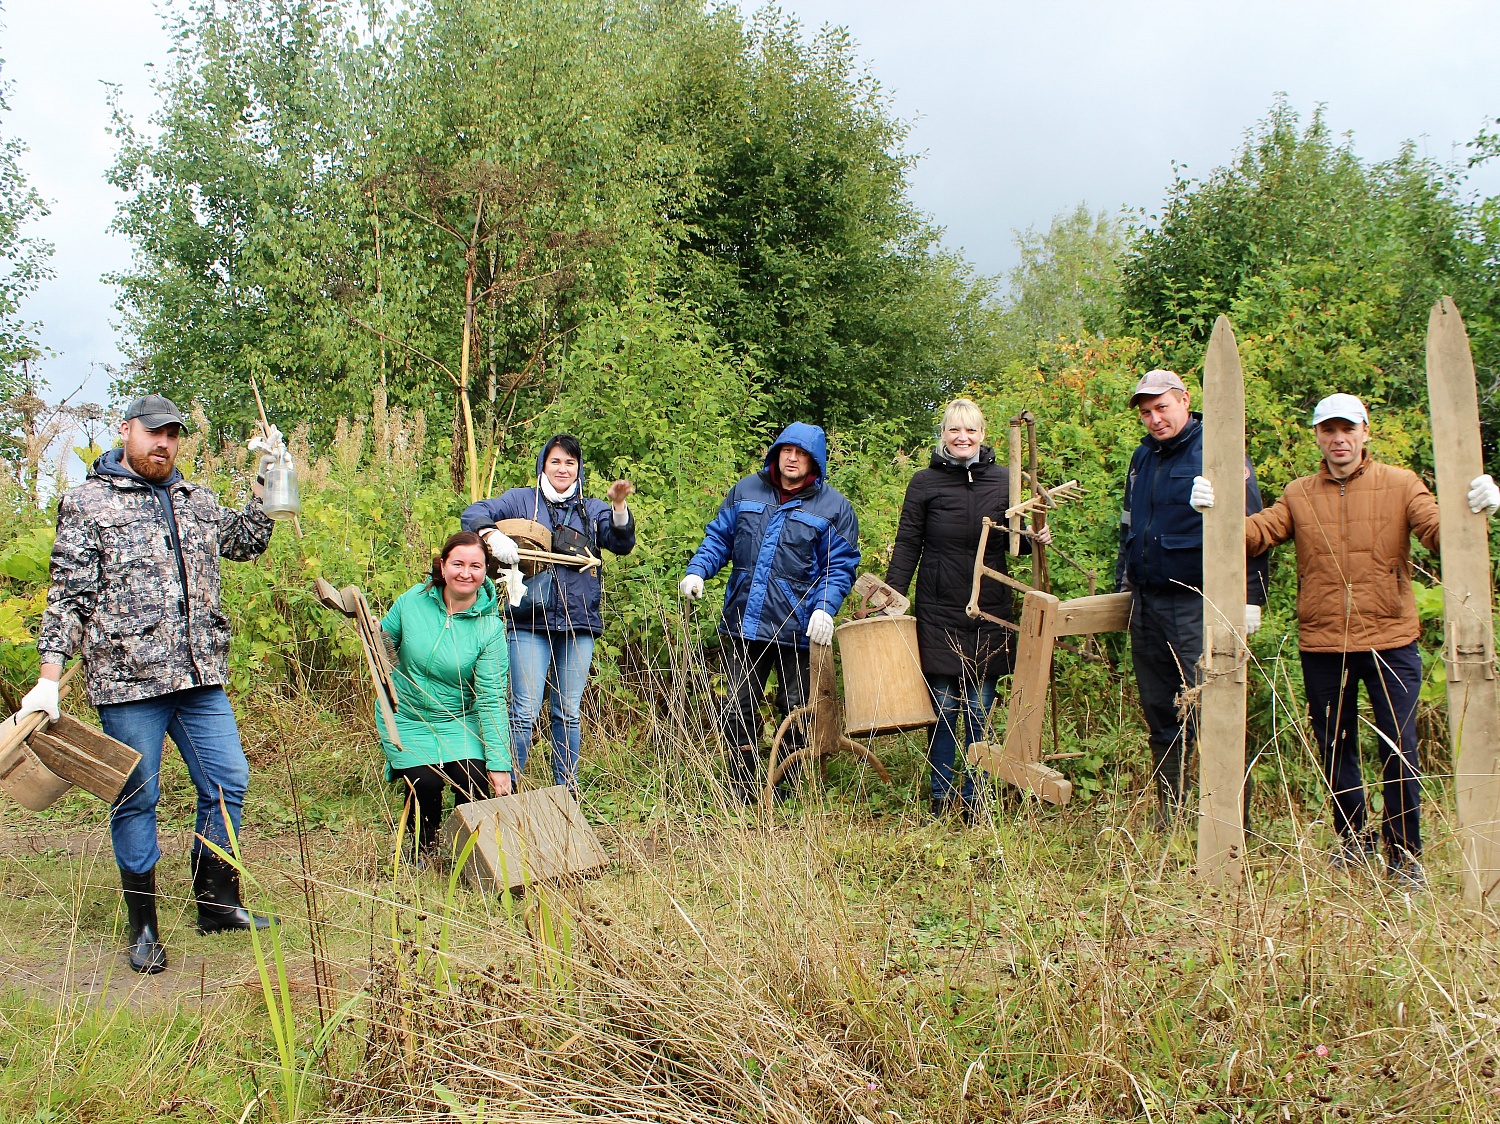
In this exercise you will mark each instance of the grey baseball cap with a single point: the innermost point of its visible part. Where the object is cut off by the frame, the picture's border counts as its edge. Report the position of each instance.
(1156, 382)
(154, 411)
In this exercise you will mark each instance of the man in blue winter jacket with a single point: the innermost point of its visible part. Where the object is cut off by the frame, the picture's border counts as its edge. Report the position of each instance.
(1161, 563)
(794, 545)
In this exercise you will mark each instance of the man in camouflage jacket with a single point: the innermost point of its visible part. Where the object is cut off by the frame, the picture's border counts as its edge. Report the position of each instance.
(135, 592)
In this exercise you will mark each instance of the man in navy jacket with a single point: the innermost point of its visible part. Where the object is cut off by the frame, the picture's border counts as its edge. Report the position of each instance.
(793, 542)
(1161, 562)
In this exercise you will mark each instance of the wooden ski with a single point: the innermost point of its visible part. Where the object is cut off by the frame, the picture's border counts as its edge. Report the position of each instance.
(1468, 631)
(1221, 716)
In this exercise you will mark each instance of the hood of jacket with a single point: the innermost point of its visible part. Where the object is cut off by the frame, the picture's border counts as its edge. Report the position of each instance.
(112, 463)
(809, 438)
(541, 461)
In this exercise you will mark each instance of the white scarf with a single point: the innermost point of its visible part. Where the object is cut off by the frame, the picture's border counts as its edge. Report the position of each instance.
(552, 494)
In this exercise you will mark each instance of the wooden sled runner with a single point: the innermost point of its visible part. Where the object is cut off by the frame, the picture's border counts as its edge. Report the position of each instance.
(1468, 625)
(41, 760)
(526, 837)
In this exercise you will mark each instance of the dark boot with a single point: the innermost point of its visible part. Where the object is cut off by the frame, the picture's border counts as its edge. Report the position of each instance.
(216, 886)
(146, 952)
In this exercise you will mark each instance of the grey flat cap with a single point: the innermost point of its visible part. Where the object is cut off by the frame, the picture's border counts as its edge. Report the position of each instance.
(154, 411)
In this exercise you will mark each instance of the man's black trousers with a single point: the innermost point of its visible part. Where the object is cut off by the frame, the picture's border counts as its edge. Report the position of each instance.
(747, 665)
(1393, 681)
(1166, 639)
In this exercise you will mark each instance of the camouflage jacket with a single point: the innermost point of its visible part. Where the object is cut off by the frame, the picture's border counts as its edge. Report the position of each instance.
(143, 611)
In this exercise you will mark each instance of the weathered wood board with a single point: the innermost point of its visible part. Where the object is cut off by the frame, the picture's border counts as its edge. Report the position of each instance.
(529, 837)
(1221, 718)
(1469, 638)
(91, 759)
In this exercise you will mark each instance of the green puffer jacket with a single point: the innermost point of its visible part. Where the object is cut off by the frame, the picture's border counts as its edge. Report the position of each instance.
(451, 679)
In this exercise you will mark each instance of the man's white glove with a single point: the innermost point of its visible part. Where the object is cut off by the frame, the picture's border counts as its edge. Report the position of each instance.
(1202, 497)
(820, 628)
(1252, 620)
(691, 587)
(501, 546)
(1484, 495)
(43, 698)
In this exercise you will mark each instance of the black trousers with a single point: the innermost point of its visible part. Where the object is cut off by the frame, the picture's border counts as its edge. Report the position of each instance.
(1393, 681)
(747, 665)
(1166, 640)
(424, 786)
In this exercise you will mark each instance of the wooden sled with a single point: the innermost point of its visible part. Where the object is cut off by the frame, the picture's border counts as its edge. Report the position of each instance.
(534, 836)
(41, 760)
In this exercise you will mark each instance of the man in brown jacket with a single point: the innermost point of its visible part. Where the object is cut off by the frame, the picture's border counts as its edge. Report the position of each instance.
(1357, 619)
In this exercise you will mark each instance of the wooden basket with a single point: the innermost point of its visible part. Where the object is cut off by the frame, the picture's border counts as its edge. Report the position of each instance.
(528, 535)
(884, 692)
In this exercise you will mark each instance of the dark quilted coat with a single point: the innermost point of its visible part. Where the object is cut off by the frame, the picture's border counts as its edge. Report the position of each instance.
(941, 519)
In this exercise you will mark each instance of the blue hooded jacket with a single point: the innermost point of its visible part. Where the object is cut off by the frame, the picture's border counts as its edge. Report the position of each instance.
(576, 598)
(789, 559)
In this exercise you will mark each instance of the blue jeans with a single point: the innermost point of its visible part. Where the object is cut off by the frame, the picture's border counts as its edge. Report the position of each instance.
(949, 697)
(557, 663)
(201, 723)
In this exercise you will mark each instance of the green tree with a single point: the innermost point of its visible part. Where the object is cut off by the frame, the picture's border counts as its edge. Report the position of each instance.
(24, 259)
(1066, 285)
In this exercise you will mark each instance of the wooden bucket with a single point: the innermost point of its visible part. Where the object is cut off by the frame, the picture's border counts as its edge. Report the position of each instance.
(27, 781)
(884, 692)
(529, 535)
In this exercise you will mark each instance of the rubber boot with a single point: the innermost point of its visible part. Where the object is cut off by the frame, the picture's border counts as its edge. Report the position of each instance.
(216, 886)
(146, 952)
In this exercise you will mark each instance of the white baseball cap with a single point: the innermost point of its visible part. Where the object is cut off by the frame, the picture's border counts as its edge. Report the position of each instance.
(1344, 406)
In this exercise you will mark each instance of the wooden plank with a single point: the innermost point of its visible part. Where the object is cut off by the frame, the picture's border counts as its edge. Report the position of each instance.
(73, 764)
(1103, 612)
(1028, 685)
(533, 836)
(1222, 704)
(1469, 647)
(1042, 781)
(118, 756)
(1014, 496)
(17, 728)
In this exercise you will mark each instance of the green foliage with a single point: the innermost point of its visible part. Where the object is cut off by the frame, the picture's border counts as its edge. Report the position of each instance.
(25, 260)
(1067, 284)
(1327, 266)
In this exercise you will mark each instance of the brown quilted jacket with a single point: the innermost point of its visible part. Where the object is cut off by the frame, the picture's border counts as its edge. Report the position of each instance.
(1353, 553)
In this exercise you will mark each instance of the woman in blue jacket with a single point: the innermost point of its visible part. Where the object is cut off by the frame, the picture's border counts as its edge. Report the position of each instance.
(552, 645)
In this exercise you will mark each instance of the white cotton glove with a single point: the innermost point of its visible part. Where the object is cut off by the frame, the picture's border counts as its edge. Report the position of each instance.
(501, 546)
(271, 447)
(1252, 620)
(691, 587)
(514, 582)
(1484, 495)
(1202, 497)
(41, 698)
(820, 628)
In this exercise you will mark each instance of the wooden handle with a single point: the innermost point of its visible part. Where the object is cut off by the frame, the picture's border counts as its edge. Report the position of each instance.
(16, 729)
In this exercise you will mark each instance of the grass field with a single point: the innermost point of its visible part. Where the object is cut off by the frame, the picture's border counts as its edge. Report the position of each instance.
(844, 959)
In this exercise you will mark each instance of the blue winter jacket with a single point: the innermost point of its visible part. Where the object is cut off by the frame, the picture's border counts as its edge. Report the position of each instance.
(1161, 536)
(576, 598)
(789, 559)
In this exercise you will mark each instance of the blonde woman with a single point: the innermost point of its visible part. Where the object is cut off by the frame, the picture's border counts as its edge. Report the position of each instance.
(962, 659)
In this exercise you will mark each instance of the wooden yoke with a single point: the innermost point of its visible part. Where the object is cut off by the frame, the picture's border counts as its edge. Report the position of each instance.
(1469, 637)
(1222, 703)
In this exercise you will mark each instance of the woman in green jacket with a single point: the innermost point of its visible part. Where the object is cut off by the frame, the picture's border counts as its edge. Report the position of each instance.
(452, 672)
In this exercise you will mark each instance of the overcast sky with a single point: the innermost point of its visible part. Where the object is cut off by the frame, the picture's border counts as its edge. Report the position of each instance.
(1019, 109)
